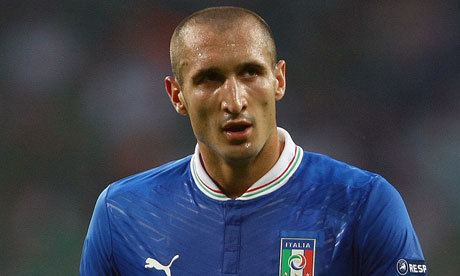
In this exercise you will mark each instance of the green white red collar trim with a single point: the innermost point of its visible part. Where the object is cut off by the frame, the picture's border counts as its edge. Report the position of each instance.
(274, 179)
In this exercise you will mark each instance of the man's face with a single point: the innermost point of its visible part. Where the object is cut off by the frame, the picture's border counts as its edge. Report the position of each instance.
(229, 89)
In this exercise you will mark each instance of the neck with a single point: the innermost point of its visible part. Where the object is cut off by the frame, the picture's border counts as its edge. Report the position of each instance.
(234, 177)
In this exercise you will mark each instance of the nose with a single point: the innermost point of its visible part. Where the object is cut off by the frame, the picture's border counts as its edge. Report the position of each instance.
(233, 96)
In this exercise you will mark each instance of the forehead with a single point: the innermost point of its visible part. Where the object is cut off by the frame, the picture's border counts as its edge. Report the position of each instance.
(206, 45)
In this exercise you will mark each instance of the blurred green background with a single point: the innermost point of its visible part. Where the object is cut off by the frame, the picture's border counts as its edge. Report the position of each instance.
(82, 104)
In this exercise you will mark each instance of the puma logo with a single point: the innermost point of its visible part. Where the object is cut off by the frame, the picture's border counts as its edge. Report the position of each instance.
(152, 263)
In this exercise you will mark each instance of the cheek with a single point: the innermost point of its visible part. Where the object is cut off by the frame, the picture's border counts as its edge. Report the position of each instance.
(265, 97)
(266, 103)
(201, 114)
(265, 90)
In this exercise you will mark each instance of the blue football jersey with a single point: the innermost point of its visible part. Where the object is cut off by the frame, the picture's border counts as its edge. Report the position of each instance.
(309, 215)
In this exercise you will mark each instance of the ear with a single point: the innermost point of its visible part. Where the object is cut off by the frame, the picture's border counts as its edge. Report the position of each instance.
(280, 75)
(175, 95)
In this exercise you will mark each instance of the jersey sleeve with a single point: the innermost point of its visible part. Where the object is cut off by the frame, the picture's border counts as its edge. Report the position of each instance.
(387, 242)
(96, 257)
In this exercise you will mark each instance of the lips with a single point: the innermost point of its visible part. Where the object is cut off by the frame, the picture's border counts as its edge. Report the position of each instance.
(237, 130)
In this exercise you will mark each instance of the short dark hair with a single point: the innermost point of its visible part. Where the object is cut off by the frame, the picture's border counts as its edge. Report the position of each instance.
(221, 18)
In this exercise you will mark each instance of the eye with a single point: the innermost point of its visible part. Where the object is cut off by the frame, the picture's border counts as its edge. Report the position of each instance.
(211, 76)
(208, 77)
(251, 71)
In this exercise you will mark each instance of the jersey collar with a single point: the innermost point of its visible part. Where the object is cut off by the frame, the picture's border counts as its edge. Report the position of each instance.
(274, 179)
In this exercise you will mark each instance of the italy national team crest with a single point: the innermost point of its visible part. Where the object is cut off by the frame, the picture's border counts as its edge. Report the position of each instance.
(297, 257)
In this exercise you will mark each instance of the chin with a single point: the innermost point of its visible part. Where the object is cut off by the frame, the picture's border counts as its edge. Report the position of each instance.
(241, 152)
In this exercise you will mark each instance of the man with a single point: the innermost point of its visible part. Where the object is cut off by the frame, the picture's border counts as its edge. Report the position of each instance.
(248, 201)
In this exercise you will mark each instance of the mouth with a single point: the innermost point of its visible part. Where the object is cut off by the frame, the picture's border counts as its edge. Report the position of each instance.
(237, 130)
